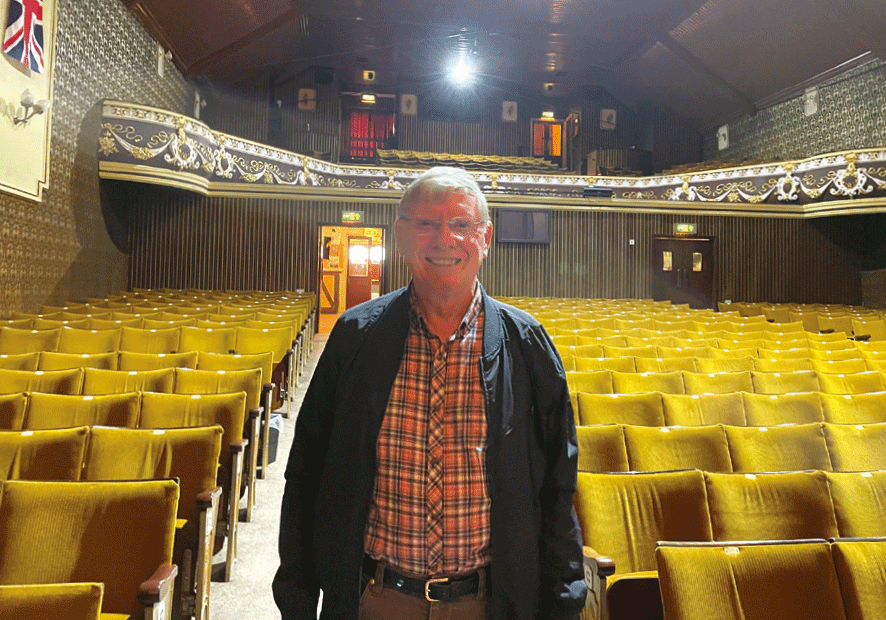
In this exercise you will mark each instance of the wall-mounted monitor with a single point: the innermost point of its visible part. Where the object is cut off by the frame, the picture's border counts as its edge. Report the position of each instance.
(523, 226)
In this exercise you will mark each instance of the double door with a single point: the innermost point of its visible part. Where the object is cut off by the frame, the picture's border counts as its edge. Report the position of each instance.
(683, 270)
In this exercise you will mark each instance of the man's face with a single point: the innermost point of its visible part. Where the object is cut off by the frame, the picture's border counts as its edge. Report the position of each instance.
(444, 242)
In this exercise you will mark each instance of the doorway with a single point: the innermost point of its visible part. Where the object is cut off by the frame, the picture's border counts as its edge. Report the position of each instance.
(351, 269)
(547, 140)
(683, 270)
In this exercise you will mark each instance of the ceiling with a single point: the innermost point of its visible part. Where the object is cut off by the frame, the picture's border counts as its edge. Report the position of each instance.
(708, 61)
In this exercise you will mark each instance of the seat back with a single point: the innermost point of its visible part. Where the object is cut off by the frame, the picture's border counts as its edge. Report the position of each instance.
(859, 502)
(856, 447)
(213, 361)
(72, 601)
(48, 381)
(63, 410)
(188, 454)
(703, 409)
(117, 381)
(794, 580)
(637, 409)
(13, 340)
(259, 340)
(74, 340)
(208, 339)
(42, 455)
(20, 361)
(717, 383)
(622, 516)
(770, 506)
(50, 360)
(140, 340)
(854, 409)
(665, 448)
(861, 570)
(785, 382)
(601, 448)
(115, 533)
(778, 448)
(188, 381)
(12, 411)
(154, 361)
(774, 409)
(853, 383)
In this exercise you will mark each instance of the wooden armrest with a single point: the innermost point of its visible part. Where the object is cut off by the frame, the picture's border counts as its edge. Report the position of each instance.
(603, 566)
(255, 412)
(158, 586)
(861, 338)
(209, 498)
(239, 445)
(267, 387)
(826, 331)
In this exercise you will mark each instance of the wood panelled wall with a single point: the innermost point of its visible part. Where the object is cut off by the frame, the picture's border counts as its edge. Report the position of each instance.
(273, 244)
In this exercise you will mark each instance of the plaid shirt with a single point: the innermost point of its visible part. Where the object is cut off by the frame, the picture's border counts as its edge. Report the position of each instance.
(430, 509)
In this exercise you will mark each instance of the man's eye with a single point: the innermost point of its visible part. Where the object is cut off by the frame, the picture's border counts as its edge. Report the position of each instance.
(461, 225)
(425, 224)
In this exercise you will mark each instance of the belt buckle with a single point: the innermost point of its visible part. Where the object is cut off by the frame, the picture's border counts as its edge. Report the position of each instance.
(428, 585)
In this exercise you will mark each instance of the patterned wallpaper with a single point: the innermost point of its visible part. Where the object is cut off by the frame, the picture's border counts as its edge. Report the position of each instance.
(851, 115)
(61, 249)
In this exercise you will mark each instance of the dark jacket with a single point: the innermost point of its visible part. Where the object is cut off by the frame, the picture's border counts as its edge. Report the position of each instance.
(536, 569)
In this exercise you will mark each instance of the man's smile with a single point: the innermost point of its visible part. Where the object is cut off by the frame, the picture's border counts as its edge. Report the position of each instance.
(443, 262)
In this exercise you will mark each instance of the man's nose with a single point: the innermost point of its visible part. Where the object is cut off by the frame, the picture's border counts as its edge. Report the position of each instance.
(445, 232)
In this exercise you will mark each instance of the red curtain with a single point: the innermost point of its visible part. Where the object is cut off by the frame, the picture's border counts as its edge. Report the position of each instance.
(368, 132)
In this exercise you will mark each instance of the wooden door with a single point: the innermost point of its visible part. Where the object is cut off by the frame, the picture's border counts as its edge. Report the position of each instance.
(683, 270)
(358, 287)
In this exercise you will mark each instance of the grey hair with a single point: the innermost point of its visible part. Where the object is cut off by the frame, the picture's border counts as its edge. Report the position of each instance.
(439, 182)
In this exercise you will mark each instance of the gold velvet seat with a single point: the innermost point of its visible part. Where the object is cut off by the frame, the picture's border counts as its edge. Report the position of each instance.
(854, 409)
(861, 570)
(734, 364)
(774, 409)
(163, 411)
(48, 381)
(639, 383)
(778, 448)
(717, 383)
(854, 383)
(20, 361)
(664, 364)
(155, 361)
(784, 580)
(856, 447)
(622, 516)
(96, 381)
(50, 360)
(601, 448)
(638, 409)
(671, 448)
(116, 533)
(63, 410)
(42, 455)
(72, 340)
(71, 601)
(189, 455)
(770, 506)
(703, 409)
(208, 339)
(859, 500)
(14, 340)
(593, 364)
(784, 383)
(142, 340)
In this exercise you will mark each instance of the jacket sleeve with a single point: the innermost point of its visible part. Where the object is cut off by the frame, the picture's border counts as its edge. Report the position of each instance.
(295, 585)
(563, 590)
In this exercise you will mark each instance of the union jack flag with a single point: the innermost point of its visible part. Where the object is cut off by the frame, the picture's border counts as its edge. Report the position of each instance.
(24, 33)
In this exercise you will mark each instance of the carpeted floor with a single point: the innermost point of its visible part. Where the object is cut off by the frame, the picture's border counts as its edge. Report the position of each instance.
(248, 595)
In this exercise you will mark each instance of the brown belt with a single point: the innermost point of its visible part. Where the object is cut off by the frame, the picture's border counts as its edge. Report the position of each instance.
(436, 589)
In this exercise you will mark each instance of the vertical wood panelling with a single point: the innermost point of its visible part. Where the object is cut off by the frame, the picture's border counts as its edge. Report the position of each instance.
(273, 244)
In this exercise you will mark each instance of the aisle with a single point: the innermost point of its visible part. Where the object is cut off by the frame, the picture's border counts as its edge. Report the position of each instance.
(248, 595)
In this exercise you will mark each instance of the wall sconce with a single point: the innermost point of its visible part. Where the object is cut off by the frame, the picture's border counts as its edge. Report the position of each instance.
(367, 98)
(30, 108)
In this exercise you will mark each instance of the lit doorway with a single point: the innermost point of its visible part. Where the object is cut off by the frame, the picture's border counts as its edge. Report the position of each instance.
(351, 269)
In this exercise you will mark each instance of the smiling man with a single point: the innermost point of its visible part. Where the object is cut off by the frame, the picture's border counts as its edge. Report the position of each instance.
(434, 459)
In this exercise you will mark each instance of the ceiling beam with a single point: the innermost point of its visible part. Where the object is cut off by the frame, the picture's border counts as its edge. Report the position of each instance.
(675, 48)
(220, 55)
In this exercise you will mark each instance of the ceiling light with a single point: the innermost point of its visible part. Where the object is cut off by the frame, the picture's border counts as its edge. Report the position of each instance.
(367, 98)
(547, 115)
(462, 72)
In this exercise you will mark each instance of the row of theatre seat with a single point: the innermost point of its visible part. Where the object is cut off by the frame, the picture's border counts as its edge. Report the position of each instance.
(704, 431)
(161, 384)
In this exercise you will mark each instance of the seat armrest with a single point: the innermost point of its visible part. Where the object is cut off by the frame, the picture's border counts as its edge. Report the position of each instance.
(255, 412)
(239, 445)
(209, 498)
(602, 565)
(158, 587)
(597, 569)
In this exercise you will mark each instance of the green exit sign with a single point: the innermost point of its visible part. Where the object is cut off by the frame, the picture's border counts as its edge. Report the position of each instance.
(351, 217)
(685, 229)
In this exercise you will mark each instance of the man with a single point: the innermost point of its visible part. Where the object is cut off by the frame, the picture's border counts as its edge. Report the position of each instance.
(434, 459)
